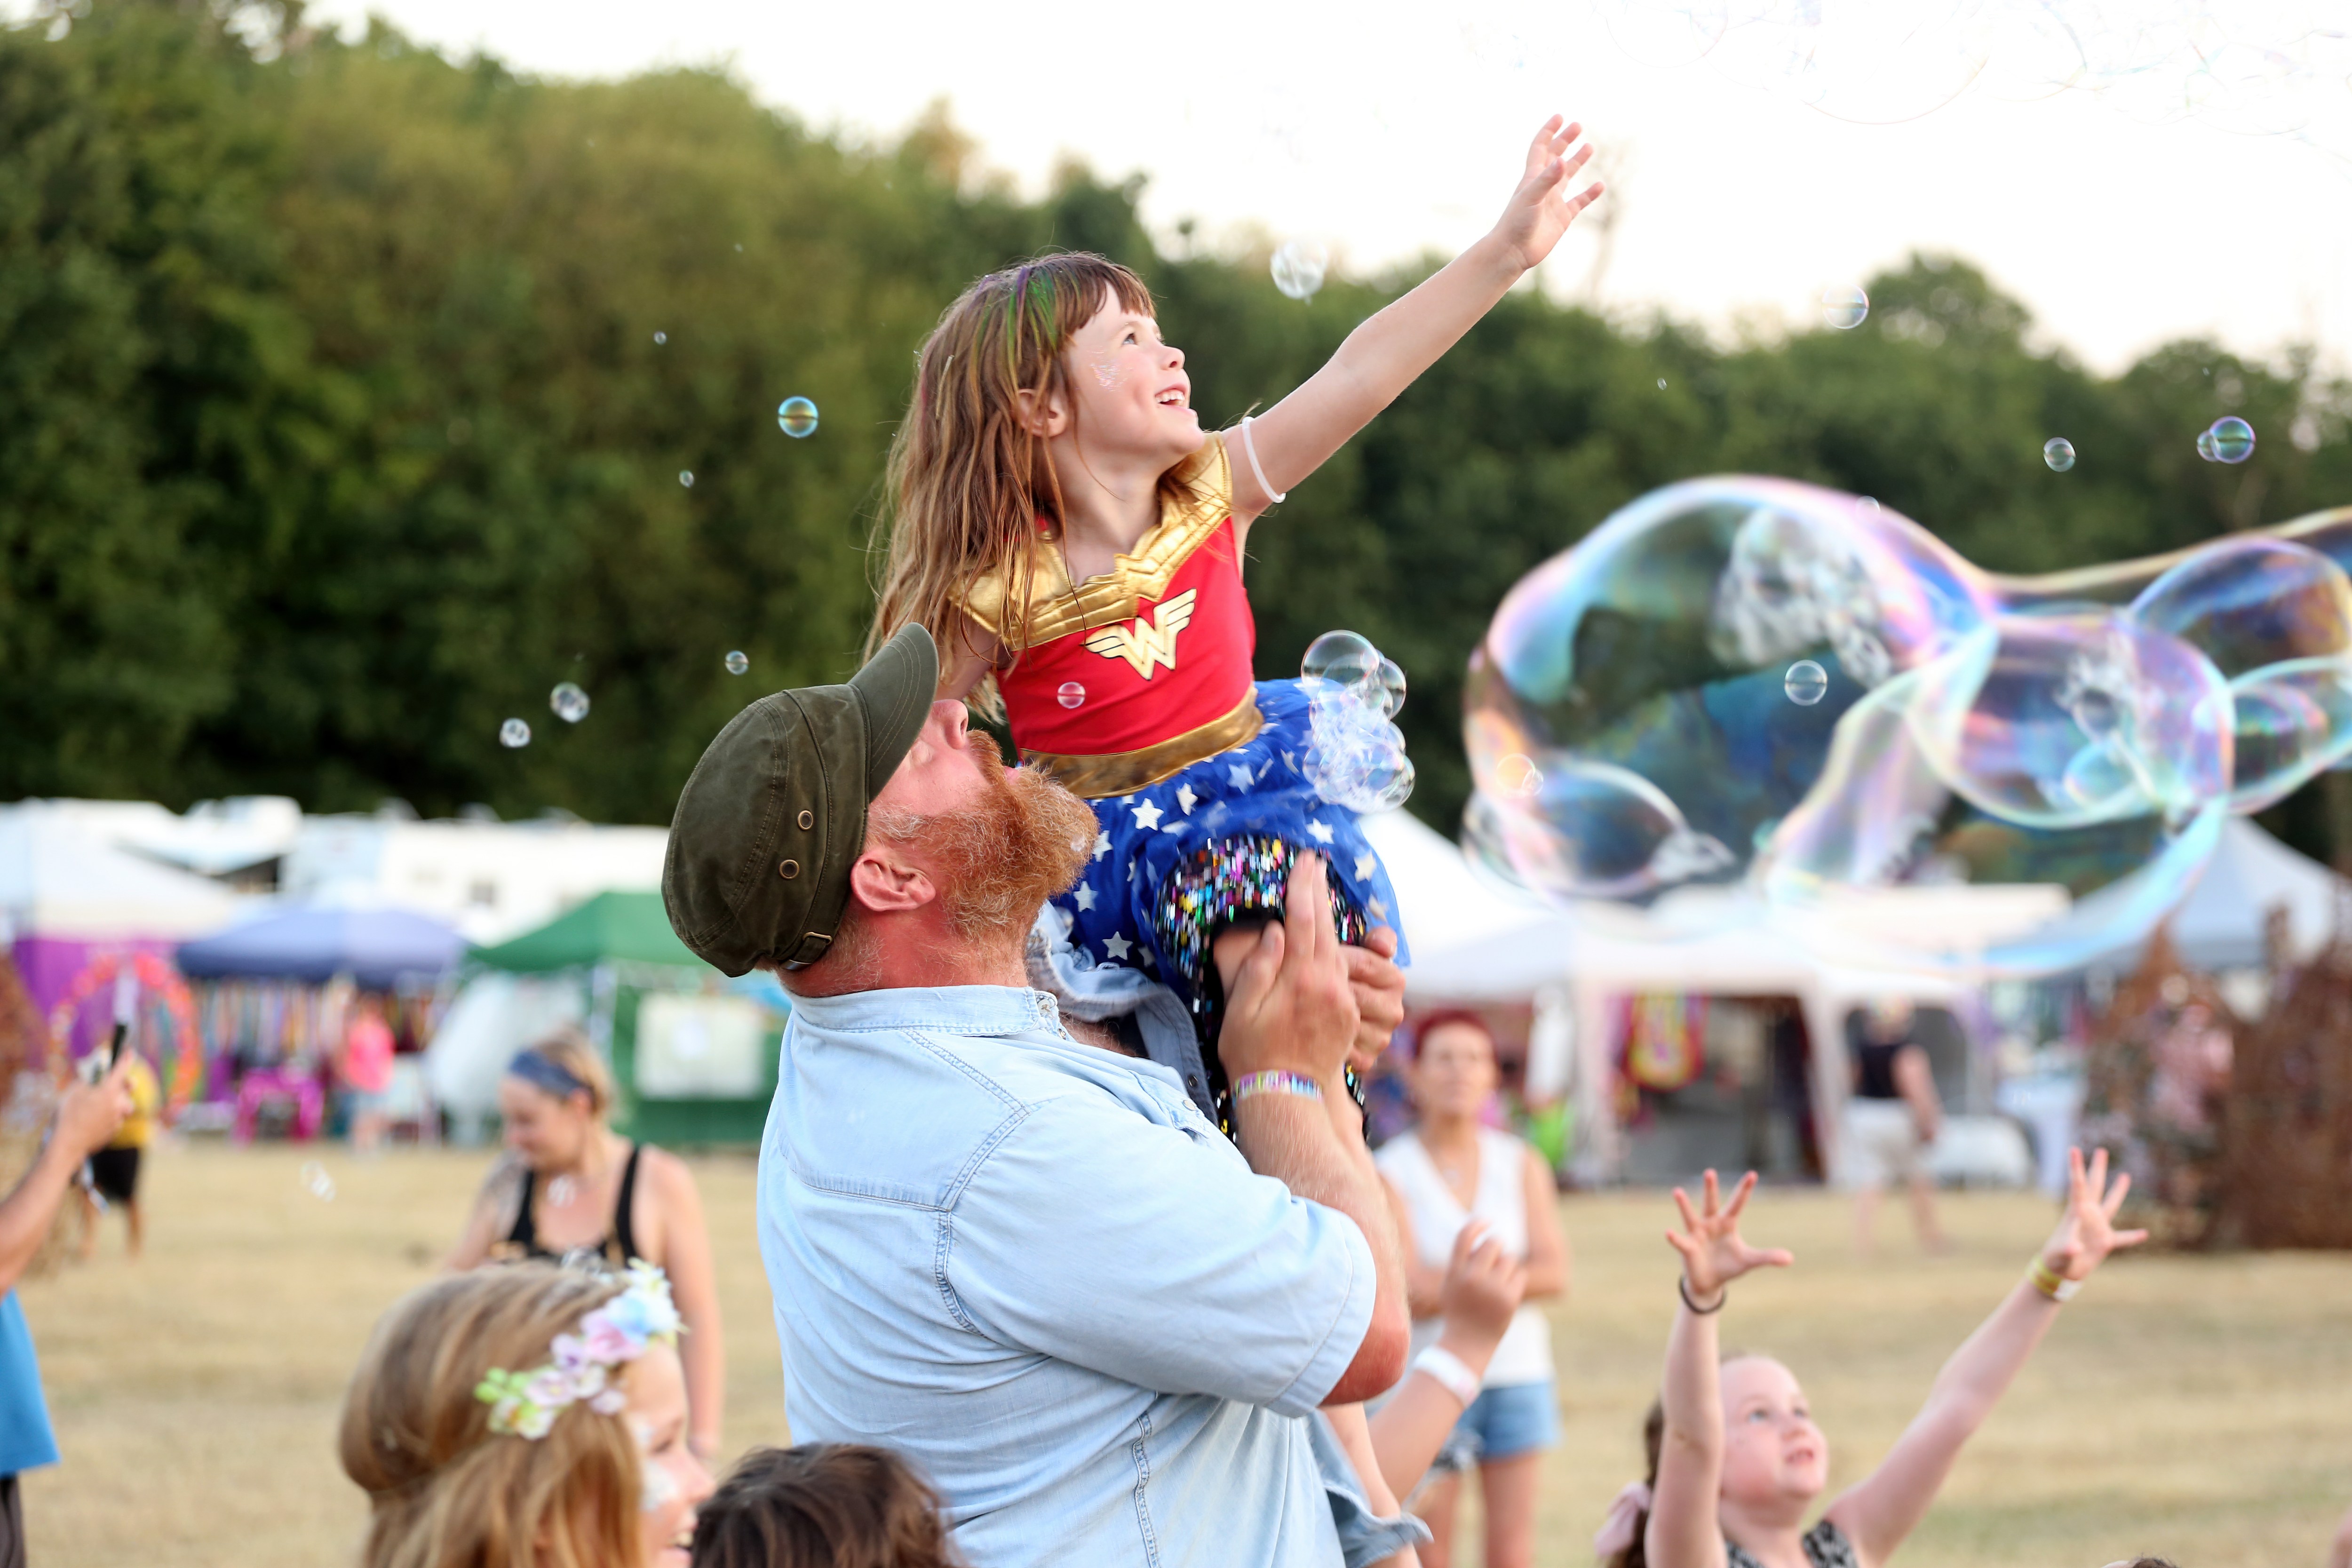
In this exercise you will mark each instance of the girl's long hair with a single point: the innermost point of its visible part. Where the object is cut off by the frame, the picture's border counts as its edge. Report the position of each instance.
(1653, 1439)
(446, 1491)
(968, 480)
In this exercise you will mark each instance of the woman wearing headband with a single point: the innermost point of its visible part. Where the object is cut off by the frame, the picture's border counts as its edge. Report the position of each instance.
(570, 1189)
(525, 1418)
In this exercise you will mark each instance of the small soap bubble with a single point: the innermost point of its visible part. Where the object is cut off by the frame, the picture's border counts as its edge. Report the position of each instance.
(796, 418)
(1845, 305)
(2233, 439)
(570, 703)
(1347, 658)
(1071, 694)
(320, 1184)
(1517, 775)
(514, 732)
(1806, 683)
(660, 338)
(2059, 453)
(686, 478)
(2205, 447)
(1298, 268)
(738, 662)
(1662, 383)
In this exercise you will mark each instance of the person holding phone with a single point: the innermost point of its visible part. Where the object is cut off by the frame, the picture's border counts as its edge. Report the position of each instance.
(87, 1116)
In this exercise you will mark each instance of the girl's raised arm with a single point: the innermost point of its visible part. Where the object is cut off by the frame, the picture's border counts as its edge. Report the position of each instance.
(1383, 356)
(1686, 1530)
(1886, 1505)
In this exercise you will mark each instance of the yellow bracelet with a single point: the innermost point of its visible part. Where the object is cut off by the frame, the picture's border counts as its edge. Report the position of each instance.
(2052, 1283)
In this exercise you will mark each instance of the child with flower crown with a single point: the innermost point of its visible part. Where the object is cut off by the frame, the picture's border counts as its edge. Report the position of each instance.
(526, 1418)
(1074, 542)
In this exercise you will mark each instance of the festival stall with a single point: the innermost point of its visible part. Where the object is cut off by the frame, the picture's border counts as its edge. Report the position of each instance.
(1693, 1035)
(275, 994)
(693, 1055)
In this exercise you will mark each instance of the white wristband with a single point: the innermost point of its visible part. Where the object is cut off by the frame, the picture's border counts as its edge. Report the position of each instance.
(1249, 446)
(1450, 1372)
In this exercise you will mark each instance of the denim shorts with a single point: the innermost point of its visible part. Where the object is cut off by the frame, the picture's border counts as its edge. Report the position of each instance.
(1502, 1424)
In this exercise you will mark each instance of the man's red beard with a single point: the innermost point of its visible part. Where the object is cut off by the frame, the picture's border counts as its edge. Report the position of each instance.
(995, 862)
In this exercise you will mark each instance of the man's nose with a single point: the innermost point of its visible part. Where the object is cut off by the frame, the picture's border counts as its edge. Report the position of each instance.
(952, 720)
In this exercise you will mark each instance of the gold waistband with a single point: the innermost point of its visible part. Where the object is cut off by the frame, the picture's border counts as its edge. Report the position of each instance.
(1124, 773)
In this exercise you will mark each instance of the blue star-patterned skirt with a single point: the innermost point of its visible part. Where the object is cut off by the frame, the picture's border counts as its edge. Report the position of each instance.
(1257, 791)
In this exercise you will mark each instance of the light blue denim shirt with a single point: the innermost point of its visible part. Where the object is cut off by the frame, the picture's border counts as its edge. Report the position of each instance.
(1033, 1266)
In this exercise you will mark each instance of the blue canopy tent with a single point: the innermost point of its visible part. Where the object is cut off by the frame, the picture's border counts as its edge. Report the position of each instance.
(378, 947)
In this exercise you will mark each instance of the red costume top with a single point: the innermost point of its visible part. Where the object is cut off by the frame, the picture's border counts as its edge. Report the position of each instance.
(1137, 673)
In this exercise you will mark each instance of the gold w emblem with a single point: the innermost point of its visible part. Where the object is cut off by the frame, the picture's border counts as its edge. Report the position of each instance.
(1145, 644)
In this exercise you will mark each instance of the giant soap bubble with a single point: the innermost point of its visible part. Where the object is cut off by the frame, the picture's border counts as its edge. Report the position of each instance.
(1631, 731)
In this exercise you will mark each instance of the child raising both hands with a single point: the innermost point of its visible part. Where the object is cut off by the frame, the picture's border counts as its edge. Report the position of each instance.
(1074, 542)
(1736, 1461)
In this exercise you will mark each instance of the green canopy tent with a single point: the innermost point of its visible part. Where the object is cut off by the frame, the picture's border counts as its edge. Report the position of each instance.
(693, 1054)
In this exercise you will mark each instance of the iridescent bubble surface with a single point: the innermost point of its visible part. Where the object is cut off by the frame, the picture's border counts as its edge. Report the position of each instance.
(738, 662)
(686, 478)
(796, 418)
(568, 702)
(2059, 751)
(2059, 453)
(2205, 447)
(1357, 758)
(1071, 694)
(660, 338)
(514, 732)
(1845, 306)
(2233, 439)
(1298, 268)
(1806, 683)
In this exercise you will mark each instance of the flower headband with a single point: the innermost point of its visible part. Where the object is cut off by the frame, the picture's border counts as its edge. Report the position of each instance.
(526, 1403)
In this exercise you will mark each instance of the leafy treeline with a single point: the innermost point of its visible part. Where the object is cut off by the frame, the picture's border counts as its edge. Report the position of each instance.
(334, 428)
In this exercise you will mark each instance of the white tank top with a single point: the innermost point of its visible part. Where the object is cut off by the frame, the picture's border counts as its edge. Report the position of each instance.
(1437, 1216)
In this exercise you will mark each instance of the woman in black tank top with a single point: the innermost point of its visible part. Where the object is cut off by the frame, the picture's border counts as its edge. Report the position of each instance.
(573, 1190)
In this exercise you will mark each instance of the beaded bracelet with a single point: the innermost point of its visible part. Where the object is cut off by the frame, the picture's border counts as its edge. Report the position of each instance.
(1256, 1083)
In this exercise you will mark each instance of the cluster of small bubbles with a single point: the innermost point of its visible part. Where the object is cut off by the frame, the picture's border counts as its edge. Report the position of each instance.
(796, 418)
(316, 1180)
(1298, 268)
(738, 662)
(1806, 683)
(1845, 305)
(568, 702)
(2059, 453)
(1071, 694)
(2227, 439)
(1358, 757)
(1828, 702)
(660, 338)
(514, 732)
(686, 478)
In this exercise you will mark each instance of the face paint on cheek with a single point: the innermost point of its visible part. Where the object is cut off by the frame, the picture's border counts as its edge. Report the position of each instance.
(659, 1486)
(1107, 374)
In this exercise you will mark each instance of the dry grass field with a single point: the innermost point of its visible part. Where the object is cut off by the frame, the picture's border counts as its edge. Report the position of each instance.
(2197, 1407)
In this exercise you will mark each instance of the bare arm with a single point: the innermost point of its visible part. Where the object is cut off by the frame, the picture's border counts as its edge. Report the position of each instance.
(1548, 1260)
(1292, 1010)
(1686, 1530)
(1385, 354)
(1886, 1505)
(1348, 1425)
(685, 1257)
(1422, 1284)
(2339, 1551)
(1915, 1081)
(494, 1211)
(1483, 1286)
(87, 1116)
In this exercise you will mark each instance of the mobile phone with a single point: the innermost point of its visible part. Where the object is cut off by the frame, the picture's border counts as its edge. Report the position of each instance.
(126, 1007)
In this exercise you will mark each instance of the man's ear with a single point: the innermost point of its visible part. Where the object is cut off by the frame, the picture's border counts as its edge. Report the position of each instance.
(1044, 414)
(884, 884)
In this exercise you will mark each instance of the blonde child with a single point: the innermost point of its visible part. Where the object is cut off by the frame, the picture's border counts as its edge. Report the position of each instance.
(525, 1418)
(1074, 542)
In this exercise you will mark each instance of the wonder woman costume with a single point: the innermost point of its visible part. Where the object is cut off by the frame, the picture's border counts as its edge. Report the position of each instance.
(1133, 689)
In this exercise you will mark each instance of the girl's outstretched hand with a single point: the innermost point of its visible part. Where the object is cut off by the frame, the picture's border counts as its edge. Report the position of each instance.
(1714, 1253)
(1540, 210)
(2087, 1233)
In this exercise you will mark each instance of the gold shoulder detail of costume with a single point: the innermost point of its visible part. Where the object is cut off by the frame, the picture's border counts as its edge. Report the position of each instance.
(1056, 609)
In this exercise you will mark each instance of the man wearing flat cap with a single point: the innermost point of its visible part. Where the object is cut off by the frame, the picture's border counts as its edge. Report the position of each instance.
(1024, 1259)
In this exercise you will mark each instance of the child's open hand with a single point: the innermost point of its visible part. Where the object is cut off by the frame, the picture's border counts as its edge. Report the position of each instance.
(1540, 210)
(1713, 1252)
(2086, 1233)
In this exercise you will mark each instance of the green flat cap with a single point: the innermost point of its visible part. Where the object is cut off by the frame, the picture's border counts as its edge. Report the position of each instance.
(774, 815)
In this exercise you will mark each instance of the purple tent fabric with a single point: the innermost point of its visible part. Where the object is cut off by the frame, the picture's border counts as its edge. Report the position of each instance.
(376, 947)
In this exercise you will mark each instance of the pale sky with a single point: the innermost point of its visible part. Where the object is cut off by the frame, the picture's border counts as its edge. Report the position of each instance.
(1388, 129)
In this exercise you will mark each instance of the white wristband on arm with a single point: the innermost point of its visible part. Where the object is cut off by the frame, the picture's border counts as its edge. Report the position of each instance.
(1249, 445)
(1449, 1372)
